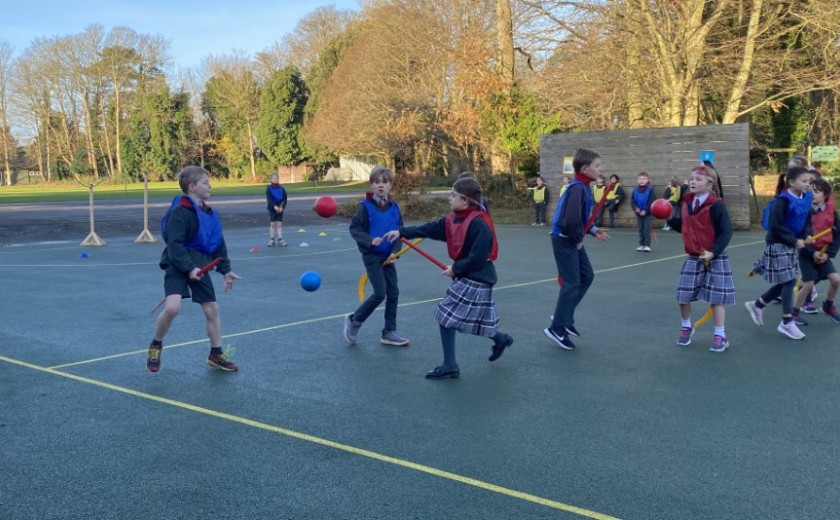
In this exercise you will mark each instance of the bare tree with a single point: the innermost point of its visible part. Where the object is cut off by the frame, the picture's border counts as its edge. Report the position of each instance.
(302, 47)
(412, 82)
(688, 62)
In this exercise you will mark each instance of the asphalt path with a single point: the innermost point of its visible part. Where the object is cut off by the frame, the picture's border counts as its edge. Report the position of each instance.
(59, 221)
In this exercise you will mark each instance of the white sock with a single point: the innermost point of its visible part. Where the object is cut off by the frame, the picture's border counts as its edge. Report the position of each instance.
(719, 331)
(686, 323)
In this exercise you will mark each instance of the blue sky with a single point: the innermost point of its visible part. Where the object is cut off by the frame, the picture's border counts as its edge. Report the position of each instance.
(194, 28)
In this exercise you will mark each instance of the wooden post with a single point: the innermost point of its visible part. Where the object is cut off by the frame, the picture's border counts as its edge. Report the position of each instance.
(92, 238)
(146, 237)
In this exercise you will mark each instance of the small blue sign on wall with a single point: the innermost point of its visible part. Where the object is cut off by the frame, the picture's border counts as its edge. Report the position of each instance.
(707, 155)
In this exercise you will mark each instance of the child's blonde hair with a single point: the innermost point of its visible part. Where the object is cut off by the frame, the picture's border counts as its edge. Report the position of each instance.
(705, 171)
(382, 172)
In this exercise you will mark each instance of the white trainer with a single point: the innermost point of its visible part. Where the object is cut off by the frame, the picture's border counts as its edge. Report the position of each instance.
(790, 330)
(756, 314)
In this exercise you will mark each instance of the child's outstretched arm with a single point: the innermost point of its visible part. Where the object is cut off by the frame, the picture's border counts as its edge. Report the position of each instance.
(436, 230)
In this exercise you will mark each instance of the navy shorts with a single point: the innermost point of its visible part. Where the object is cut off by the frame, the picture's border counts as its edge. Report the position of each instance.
(175, 282)
(812, 272)
(273, 216)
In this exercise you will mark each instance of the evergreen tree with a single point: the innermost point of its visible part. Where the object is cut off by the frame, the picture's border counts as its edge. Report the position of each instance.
(281, 114)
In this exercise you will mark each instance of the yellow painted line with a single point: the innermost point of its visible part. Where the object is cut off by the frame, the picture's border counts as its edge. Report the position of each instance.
(324, 442)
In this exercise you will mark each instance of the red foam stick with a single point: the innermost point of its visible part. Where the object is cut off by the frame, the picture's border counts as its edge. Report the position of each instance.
(427, 255)
(201, 272)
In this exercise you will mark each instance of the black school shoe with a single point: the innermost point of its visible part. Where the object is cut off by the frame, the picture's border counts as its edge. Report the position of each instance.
(499, 348)
(442, 372)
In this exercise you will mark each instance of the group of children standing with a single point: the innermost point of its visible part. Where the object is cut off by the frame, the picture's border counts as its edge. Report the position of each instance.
(800, 211)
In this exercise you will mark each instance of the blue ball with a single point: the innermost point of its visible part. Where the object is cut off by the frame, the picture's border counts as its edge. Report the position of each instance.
(310, 281)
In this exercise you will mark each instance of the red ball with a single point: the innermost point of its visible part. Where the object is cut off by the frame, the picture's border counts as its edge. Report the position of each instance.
(325, 206)
(661, 208)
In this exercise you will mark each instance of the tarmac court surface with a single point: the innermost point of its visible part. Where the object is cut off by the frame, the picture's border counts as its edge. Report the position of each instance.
(629, 425)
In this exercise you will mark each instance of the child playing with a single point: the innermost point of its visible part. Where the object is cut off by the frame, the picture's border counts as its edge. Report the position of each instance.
(468, 306)
(641, 201)
(483, 200)
(540, 201)
(674, 194)
(193, 235)
(375, 216)
(614, 198)
(706, 275)
(275, 196)
(787, 231)
(809, 307)
(571, 221)
(815, 260)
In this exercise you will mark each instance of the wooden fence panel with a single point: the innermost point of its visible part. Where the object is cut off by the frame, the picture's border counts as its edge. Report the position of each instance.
(663, 153)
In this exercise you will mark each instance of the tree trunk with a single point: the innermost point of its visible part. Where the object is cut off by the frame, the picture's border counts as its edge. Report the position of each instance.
(89, 136)
(117, 128)
(504, 39)
(251, 152)
(739, 86)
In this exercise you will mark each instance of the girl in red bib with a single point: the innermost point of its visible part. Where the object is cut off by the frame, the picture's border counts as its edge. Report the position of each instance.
(702, 220)
(471, 243)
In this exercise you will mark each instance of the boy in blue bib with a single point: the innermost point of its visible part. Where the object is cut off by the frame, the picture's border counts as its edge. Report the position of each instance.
(376, 215)
(192, 231)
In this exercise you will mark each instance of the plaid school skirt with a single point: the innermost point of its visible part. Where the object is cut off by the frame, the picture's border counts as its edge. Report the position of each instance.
(715, 285)
(778, 264)
(468, 307)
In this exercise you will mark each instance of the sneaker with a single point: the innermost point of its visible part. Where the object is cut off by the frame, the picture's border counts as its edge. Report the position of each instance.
(756, 314)
(351, 329)
(790, 330)
(666, 227)
(442, 372)
(222, 362)
(719, 344)
(506, 340)
(535, 224)
(562, 340)
(271, 243)
(810, 308)
(799, 320)
(153, 361)
(570, 329)
(640, 248)
(685, 336)
(831, 312)
(646, 249)
(392, 337)
(282, 243)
